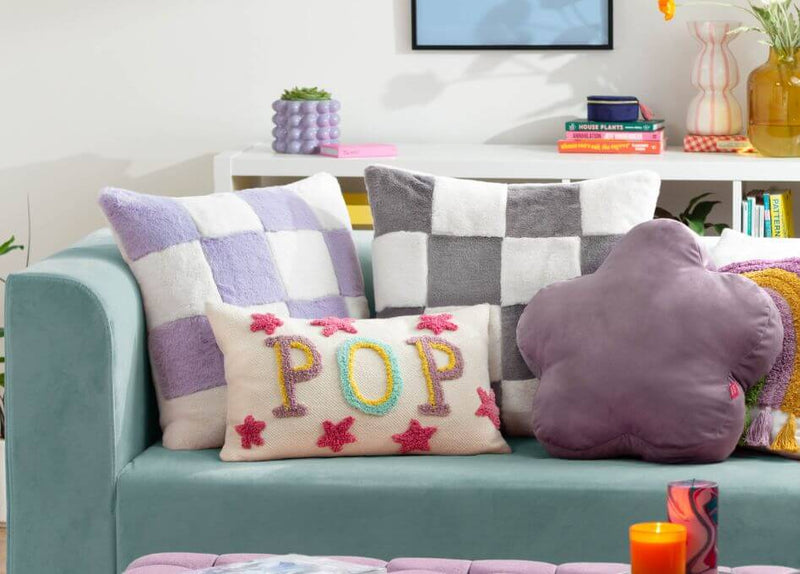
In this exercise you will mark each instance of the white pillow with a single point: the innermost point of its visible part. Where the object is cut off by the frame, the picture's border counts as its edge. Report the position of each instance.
(708, 241)
(735, 246)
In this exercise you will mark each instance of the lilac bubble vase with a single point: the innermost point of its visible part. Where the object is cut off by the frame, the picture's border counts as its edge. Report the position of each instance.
(302, 126)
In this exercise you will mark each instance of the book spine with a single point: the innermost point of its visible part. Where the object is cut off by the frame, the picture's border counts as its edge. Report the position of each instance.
(745, 216)
(613, 126)
(767, 217)
(785, 211)
(775, 215)
(754, 222)
(610, 147)
(751, 215)
(631, 136)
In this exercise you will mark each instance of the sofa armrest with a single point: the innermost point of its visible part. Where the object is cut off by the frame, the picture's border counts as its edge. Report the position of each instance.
(79, 402)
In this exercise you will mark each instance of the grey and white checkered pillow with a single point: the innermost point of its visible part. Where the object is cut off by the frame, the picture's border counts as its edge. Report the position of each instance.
(442, 242)
(286, 250)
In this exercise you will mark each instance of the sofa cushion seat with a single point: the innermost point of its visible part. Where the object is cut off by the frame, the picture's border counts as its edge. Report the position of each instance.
(523, 505)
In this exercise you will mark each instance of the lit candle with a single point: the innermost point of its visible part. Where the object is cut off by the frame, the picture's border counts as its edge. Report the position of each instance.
(658, 548)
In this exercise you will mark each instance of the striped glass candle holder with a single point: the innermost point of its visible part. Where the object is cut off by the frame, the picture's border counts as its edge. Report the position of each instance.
(693, 504)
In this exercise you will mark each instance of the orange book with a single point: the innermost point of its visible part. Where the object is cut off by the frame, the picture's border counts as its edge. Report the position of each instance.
(611, 146)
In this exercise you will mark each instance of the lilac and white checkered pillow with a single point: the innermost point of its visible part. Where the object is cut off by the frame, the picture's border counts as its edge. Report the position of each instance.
(285, 250)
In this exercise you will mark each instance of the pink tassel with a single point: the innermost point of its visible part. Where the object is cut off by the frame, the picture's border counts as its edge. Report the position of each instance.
(759, 432)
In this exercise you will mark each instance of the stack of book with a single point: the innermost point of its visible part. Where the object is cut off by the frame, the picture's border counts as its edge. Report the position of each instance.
(642, 137)
(768, 214)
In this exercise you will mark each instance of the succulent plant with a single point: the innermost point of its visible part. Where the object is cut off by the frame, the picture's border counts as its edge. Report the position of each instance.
(305, 93)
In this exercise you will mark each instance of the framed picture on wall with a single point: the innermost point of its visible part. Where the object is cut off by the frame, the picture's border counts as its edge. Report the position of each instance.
(512, 24)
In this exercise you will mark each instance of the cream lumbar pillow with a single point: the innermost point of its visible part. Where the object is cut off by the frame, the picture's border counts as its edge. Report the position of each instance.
(344, 387)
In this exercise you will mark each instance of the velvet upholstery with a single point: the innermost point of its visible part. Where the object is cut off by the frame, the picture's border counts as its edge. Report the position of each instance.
(90, 488)
(79, 403)
(649, 356)
(525, 505)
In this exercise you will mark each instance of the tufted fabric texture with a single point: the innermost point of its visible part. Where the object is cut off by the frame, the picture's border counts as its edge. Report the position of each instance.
(367, 387)
(174, 562)
(442, 242)
(773, 405)
(286, 250)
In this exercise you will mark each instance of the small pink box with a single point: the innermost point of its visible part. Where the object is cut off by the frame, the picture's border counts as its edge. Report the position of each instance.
(358, 150)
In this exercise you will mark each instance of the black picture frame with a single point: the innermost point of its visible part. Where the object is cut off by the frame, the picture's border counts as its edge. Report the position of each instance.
(415, 45)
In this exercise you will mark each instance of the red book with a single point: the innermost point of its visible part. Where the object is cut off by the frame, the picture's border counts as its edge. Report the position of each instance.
(625, 136)
(611, 146)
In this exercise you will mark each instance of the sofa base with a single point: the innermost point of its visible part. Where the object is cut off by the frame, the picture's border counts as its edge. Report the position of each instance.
(525, 505)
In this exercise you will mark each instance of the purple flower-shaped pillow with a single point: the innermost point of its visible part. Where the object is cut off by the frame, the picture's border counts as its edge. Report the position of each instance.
(650, 355)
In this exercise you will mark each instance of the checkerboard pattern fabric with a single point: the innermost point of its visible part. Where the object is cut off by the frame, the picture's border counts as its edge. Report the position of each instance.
(717, 144)
(285, 250)
(442, 243)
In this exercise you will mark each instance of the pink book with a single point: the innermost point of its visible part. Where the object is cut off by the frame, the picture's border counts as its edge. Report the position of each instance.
(358, 150)
(629, 136)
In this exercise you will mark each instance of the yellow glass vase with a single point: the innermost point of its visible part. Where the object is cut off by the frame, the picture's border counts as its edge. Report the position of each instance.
(773, 91)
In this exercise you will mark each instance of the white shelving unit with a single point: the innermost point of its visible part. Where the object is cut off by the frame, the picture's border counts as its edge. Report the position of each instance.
(235, 169)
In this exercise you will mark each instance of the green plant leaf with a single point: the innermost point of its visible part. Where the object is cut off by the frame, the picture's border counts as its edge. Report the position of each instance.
(2, 332)
(696, 226)
(695, 199)
(9, 246)
(718, 227)
(662, 213)
(306, 93)
(2, 380)
(702, 210)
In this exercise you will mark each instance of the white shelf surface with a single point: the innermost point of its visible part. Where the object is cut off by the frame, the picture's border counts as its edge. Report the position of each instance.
(515, 162)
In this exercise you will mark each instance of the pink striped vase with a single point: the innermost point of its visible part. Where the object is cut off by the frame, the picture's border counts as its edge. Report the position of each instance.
(714, 111)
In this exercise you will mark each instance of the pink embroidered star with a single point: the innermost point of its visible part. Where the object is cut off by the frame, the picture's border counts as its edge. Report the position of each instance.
(415, 438)
(437, 323)
(250, 431)
(336, 434)
(488, 407)
(333, 324)
(266, 322)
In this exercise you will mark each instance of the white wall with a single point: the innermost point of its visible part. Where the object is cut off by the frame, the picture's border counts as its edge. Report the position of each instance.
(142, 93)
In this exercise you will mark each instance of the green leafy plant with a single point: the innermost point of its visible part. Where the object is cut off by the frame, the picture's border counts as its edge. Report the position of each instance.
(695, 215)
(777, 20)
(9, 246)
(5, 248)
(305, 94)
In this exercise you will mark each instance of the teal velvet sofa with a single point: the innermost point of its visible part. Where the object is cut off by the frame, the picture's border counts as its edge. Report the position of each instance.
(90, 486)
